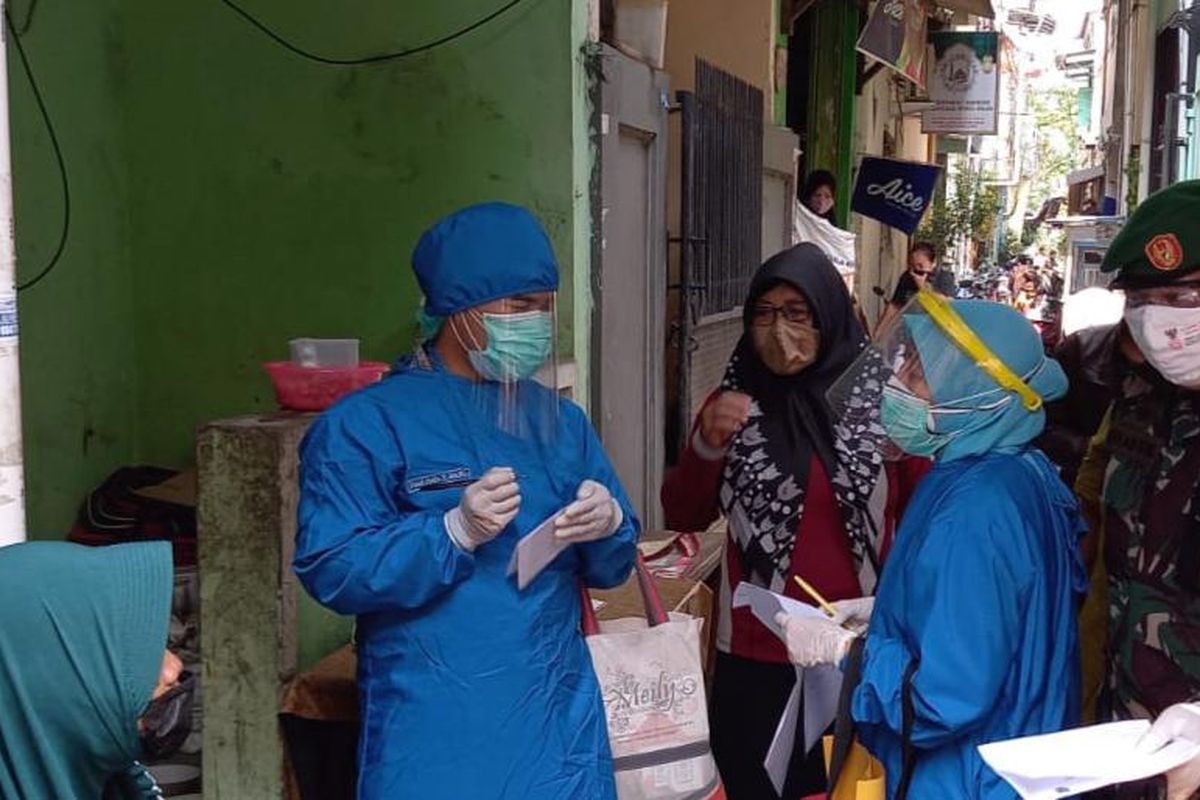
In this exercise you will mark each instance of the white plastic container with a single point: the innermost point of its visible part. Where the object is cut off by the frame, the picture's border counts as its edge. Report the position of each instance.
(640, 30)
(325, 352)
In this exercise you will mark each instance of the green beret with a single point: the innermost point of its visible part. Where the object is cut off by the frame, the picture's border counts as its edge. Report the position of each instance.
(1161, 240)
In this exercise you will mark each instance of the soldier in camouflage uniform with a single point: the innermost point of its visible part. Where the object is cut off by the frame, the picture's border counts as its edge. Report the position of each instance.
(1151, 462)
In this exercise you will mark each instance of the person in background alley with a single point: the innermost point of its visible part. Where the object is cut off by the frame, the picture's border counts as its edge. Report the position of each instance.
(819, 195)
(802, 496)
(1021, 269)
(414, 493)
(1026, 291)
(922, 266)
(1149, 463)
(88, 689)
(815, 220)
(973, 637)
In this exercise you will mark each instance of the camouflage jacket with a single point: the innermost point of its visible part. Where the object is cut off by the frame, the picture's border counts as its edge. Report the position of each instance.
(1151, 502)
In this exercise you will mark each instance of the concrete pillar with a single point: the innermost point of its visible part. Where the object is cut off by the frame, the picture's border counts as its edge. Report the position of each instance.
(246, 517)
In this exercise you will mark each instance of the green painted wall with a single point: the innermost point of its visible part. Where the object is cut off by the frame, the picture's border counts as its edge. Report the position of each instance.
(274, 197)
(1164, 10)
(230, 195)
(78, 364)
(585, 178)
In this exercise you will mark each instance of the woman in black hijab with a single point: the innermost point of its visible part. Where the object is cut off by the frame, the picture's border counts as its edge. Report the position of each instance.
(805, 495)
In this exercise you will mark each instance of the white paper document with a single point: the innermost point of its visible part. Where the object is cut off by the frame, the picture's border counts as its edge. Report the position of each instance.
(1081, 760)
(535, 551)
(816, 692)
(822, 690)
(779, 754)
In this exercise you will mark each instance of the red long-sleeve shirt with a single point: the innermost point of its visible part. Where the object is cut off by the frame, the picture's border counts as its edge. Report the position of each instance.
(821, 554)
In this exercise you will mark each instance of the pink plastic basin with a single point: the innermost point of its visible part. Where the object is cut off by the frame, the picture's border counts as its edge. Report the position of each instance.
(317, 388)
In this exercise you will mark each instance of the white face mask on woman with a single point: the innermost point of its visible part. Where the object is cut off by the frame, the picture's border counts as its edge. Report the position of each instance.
(821, 204)
(1169, 338)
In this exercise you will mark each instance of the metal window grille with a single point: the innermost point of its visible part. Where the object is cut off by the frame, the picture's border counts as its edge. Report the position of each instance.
(727, 185)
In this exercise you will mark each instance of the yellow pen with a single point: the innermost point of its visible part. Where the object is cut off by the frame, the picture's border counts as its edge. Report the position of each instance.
(825, 605)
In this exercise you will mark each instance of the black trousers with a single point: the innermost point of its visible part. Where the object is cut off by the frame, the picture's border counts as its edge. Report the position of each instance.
(323, 755)
(747, 700)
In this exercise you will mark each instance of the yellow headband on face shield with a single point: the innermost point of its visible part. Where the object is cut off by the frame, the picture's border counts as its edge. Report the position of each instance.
(960, 333)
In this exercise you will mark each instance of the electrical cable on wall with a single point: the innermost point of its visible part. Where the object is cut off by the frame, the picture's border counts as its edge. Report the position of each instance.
(346, 62)
(58, 157)
(53, 136)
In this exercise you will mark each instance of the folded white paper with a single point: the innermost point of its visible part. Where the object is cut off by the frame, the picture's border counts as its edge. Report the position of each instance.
(779, 754)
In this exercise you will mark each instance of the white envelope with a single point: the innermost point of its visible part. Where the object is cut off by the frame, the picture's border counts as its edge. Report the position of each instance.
(535, 551)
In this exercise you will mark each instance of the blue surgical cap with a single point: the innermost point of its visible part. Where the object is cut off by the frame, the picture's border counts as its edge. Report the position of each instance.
(483, 253)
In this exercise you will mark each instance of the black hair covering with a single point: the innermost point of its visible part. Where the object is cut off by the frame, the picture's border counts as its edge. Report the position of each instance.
(797, 402)
(768, 464)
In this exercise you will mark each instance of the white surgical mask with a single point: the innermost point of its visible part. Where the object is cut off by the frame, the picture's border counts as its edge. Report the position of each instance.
(1169, 338)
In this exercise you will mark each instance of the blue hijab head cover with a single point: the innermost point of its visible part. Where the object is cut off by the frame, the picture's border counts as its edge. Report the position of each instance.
(82, 636)
(968, 406)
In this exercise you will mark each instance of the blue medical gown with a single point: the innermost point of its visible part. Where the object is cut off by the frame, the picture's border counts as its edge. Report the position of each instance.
(470, 688)
(978, 601)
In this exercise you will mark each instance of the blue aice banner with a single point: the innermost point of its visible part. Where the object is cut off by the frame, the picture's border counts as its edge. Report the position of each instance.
(895, 192)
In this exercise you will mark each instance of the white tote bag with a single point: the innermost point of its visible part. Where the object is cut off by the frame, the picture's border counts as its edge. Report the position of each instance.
(652, 680)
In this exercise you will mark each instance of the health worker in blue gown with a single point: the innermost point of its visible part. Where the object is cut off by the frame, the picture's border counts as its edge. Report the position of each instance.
(973, 636)
(414, 494)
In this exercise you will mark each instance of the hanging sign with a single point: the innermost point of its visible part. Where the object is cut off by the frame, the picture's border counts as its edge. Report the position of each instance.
(895, 192)
(896, 34)
(964, 83)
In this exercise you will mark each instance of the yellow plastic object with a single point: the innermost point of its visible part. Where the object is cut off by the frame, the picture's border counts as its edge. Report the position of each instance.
(862, 775)
(960, 333)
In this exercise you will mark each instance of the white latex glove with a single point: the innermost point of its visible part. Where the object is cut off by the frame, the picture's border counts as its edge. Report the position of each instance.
(486, 508)
(594, 515)
(813, 641)
(1180, 721)
(854, 614)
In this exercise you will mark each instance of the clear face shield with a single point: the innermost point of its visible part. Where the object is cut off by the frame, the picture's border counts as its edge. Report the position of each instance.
(915, 379)
(512, 345)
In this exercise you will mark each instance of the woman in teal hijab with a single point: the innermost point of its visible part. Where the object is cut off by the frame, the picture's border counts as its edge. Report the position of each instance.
(86, 682)
(973, 638)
